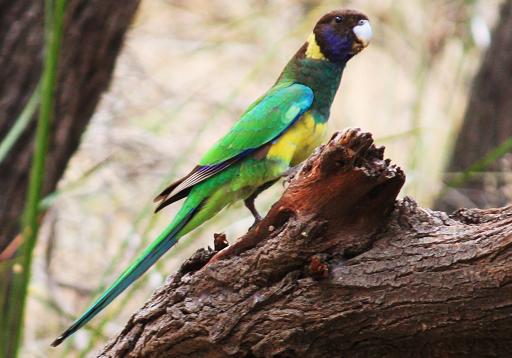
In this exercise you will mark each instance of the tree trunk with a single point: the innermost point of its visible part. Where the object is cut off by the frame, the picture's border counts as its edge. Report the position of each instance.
(338, 268)
(93, 35)
(487, 125)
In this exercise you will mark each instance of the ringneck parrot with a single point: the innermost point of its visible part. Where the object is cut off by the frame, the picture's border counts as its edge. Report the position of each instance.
(278, 131)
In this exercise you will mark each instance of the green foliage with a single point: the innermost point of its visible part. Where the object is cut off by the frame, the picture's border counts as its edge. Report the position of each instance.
(481, 165)
(19, 126)
(12, 324)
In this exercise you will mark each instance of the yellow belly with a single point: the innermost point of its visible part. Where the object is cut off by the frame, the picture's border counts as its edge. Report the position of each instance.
(299, 141)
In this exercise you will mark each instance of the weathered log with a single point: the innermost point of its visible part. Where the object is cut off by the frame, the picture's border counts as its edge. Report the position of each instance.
(339, 268)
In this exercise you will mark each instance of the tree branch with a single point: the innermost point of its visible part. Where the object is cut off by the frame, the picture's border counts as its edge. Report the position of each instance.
(338, 268)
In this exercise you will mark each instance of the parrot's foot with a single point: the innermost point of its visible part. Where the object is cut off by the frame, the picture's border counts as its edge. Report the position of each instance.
(249, 203)
(290, 174)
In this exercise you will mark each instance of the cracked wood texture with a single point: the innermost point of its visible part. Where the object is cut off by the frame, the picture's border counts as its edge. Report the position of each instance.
(338, 268)
(93, 35)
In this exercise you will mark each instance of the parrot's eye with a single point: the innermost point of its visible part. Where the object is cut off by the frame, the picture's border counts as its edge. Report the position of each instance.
(338, 19)
(361, 22)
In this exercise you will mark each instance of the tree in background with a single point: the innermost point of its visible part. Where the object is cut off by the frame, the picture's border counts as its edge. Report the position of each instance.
(480, 163)
(93, 35)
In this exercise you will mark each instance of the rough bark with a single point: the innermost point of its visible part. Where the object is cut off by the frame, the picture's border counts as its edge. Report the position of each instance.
(487, 124)
(93, 35)
(339, 268)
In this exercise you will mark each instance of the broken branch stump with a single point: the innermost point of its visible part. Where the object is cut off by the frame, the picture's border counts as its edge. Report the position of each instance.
(339, 268)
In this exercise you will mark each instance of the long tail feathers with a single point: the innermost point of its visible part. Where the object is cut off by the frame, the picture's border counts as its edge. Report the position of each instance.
(163, 243)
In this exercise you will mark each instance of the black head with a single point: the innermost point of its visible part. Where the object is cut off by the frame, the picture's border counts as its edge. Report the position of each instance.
(341, 34)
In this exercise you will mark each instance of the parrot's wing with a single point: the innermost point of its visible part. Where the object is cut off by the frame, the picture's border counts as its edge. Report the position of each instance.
(263, 122)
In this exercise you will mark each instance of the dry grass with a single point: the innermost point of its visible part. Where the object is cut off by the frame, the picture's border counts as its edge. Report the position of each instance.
(188, 70)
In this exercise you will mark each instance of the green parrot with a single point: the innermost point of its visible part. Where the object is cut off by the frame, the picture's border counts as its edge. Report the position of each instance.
(277, 132)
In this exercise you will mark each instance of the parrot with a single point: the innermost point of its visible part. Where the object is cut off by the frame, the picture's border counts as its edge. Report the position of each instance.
(277, 132)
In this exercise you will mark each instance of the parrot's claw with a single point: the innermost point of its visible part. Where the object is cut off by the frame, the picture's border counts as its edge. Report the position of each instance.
(249, 202)
(290, 174)
(254, 224)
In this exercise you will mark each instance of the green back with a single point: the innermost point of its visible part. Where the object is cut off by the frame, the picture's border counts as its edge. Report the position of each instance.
(263, 122)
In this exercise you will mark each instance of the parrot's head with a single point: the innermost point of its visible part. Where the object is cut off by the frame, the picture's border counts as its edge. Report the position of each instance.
(339, 35)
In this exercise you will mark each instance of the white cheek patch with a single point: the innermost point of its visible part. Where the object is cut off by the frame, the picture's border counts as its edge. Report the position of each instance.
(363, 32)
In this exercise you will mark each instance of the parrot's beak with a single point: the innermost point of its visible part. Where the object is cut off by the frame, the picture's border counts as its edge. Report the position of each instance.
(363, 33)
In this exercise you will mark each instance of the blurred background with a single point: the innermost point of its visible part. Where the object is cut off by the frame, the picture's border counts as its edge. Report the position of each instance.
(186, 72)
